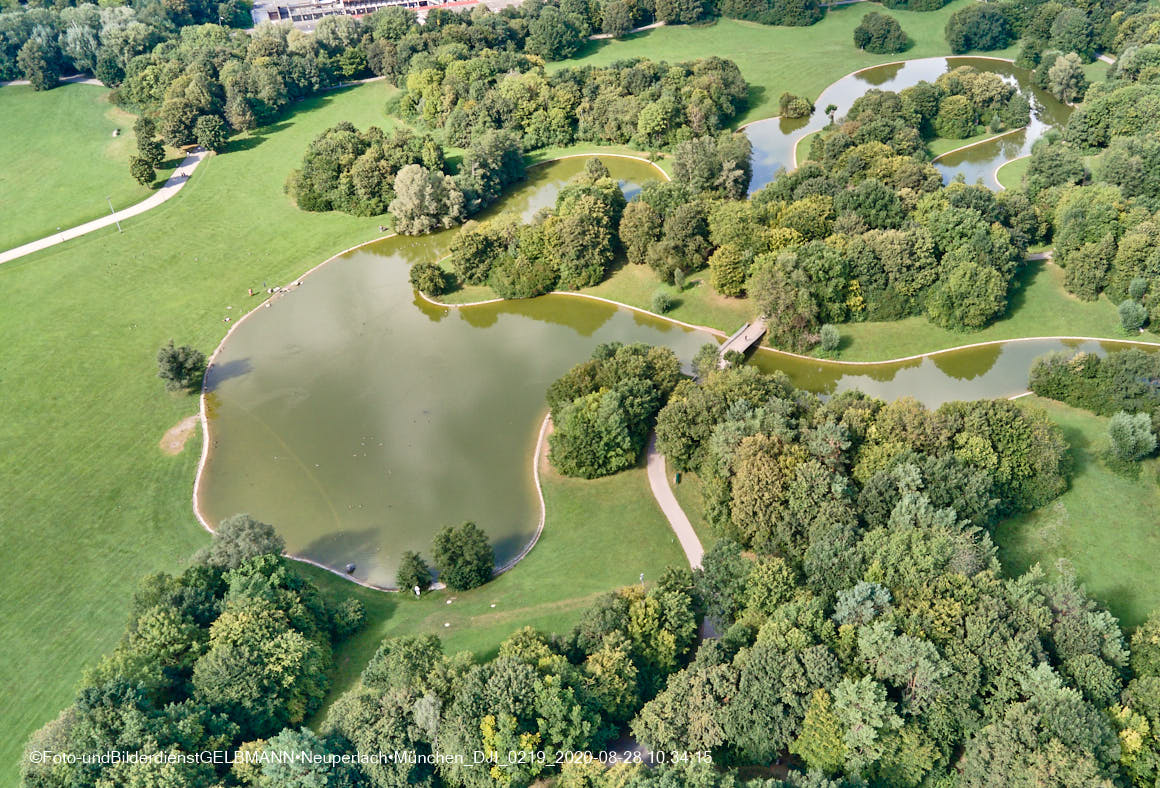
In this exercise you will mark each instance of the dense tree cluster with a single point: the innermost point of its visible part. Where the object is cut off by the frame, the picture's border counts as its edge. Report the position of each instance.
(369, 173)
(880, 34)
(540, 694)
(791, 13)
(865, 230)
(640, 102)
(229, 652)
(352, 171)
(568, 247)
(603, 409)
(1128, 380)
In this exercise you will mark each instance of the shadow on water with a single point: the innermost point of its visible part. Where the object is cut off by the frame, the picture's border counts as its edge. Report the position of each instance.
(221, 372)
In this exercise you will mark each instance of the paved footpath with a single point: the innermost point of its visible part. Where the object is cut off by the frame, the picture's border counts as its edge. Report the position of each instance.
(171, 187)
(659, 482)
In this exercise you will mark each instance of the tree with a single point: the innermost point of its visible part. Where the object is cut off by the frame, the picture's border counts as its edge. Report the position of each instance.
(662, 302)
(463, 556)
(968, 296)
(1133, 315)
(210, 133)
(821, 742)
(37, 61)
(413, 572)
(727, 271)
(552, 35)
(1146, 647)
(141, 170)
(592, 437)
(180, 367)
(640, 227)
(429, 279)
(178, 119)
(425, 201)
(980, 26)
(237, 539)
(617, 18)
(1131, 435)
(956, 118)
(880, 34)
(1066, 80)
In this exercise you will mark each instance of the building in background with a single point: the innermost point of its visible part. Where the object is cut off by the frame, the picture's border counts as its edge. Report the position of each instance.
(305, 13)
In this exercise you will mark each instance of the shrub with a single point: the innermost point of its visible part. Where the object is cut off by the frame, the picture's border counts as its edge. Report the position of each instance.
(792, 106)
(829, 338)
(347, 618)
(180, 367)
(1132, 316)
(463, 556)
(1131, 435)
(662, 302)
(413, 571)
(430, 279)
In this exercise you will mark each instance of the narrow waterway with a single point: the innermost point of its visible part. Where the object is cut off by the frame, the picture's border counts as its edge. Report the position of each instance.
(774, 140)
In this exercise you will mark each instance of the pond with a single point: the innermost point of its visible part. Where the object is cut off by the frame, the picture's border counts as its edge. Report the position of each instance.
(359, 419)
(774, 140)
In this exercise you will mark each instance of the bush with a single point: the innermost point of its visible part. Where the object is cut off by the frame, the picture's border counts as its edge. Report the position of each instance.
(430, 279)
(792, 106)
(413, 571)
(180, 367)
(1132, 316)
(1131, 435)
(662, 302)
(347, 618)
(829, 338)
(880, 34)
(463, 557)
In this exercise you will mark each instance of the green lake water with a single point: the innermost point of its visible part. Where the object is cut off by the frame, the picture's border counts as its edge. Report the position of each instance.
(359, 419)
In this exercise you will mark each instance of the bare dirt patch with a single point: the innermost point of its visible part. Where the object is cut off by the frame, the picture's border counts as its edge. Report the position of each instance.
(173, 441)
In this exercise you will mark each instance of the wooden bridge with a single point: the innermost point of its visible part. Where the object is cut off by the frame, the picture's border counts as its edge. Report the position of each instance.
(744, 338)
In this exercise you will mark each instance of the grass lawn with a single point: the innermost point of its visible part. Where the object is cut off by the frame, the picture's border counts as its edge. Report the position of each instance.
(1010, 175)
(60, 161)
(88, 501)
(1106, 524)
(610, 529)
(940, 146)
(688, 495)
(800, 60)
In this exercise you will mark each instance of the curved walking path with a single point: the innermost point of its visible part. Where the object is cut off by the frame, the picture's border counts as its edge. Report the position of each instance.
(658, 481)
(75, 79)
(170, 188)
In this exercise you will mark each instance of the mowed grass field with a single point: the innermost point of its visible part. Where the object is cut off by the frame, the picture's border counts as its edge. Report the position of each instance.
(774, 60)
(1010, 175)
(60, 161)
(89, 503)
(1105, 524)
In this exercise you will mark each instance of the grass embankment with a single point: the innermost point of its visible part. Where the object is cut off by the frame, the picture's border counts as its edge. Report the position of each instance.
(1010, 175)
(1105, 524)
(774, 60)
(60, 161)
(600, 535)
(688, 495)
